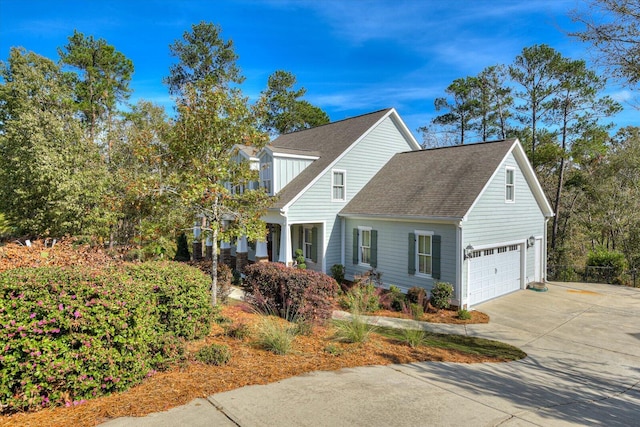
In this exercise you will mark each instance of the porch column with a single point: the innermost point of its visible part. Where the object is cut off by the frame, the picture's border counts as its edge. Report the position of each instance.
(225, 253)
(242, 256)
(285, 245)
(262, 255)
(197, 244)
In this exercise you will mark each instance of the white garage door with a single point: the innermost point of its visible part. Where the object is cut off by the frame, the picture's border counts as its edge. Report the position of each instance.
(493, 272)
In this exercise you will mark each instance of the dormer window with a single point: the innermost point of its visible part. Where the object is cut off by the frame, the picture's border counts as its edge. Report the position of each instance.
(266, 176)
(339, 186)
(510, 185)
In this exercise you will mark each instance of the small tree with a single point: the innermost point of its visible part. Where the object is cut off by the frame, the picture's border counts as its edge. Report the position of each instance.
(212, 117)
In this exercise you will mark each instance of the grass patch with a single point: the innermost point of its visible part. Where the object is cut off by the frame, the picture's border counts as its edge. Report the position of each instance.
(463, 344)
(275, 335)
(353, 330)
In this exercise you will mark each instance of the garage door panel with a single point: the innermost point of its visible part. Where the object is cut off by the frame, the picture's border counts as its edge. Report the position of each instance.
(494, 272)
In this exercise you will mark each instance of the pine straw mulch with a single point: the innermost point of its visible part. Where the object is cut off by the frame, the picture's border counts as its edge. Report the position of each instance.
(438, 316)
(249, 365)
(64, 253)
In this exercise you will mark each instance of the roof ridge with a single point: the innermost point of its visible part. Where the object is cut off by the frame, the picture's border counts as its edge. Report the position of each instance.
(338, 121)
(469, 144)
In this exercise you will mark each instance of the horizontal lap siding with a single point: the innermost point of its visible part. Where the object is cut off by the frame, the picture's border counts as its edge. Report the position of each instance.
(492, 220)
(360, 164)
(393, 251)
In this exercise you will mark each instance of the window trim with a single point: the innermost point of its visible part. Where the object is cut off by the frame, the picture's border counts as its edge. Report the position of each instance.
(418, 234)
(507, 185)
(360, 232)
(344, 185)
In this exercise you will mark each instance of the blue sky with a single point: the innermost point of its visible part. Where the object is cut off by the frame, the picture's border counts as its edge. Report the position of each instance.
(352, 56)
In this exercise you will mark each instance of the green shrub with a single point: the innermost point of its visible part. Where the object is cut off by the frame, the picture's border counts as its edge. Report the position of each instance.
(337, 272)
(417, 295)
(237, 330)
(182, 249)
(289, 292)
(275, 336)
(608, 266)
(300, 260)
(463, 314)
(353, 330)
(333, 349)
(77, 333)
(397, 298)
(362, 298)
(417, 311)
(412, 337)
(182, 296)
(441, 295)
(5, 227)
(214, 354)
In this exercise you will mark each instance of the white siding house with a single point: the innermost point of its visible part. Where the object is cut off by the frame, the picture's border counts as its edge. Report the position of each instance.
(360, 192)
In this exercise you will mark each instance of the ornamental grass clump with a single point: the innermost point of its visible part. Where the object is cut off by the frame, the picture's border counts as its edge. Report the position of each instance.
(353, 330)
(275, 335)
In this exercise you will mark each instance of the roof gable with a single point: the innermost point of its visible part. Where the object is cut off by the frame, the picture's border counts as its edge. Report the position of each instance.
(436, 183)
(328, 143)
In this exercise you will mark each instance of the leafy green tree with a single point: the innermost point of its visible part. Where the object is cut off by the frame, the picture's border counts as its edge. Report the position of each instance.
(612, 27)
(280, 109)
(141, 211)
(51, 177)
(203, 56)
(462, 108)
(212, 117)
(104, 78)
(575, 109)
(495, 102)
(536, 71)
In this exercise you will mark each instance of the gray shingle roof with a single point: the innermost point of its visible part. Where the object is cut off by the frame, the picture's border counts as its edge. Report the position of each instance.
(327, 142)
(440, 182)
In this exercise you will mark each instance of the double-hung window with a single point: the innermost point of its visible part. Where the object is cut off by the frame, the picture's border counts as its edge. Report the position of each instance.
(339, 186)
(510, 185)
(308, 243)
(424, 260)
(365, 246)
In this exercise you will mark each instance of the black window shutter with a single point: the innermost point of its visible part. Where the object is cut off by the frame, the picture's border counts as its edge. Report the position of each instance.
(355, 246)
(435, 256)
(314, 244)
(412, 253)
(374, 249)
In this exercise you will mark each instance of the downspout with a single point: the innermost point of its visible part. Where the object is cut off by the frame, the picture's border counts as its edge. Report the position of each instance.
(544, 251)
(460, 264)
(343, 239)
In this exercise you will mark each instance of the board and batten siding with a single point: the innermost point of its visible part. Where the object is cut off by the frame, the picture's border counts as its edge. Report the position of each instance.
(361, 163)
(285, 169)
(393, 252)
(494, 221)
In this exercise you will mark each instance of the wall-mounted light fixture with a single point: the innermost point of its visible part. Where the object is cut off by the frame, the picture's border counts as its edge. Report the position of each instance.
(531, 241)
(467, 251)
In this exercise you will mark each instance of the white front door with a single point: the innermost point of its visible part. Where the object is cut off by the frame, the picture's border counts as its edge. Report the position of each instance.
(493, 272)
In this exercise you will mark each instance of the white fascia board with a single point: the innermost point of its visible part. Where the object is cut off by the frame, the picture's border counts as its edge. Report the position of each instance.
(404, 218)
(345, 152)
(405, 130)
(293, 156)
(532, 180)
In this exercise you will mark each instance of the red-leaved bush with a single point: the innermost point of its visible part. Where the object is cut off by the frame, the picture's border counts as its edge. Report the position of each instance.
(290, 292)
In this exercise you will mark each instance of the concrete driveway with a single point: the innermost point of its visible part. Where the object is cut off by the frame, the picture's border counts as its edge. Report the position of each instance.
(583, 368)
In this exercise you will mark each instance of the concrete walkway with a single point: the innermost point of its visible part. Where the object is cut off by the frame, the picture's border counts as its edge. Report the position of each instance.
(583, 368)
